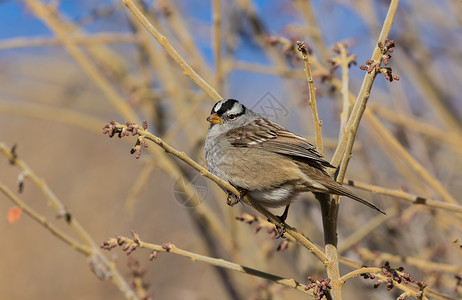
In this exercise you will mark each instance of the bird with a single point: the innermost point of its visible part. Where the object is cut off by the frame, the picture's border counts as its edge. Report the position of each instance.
(265, 161)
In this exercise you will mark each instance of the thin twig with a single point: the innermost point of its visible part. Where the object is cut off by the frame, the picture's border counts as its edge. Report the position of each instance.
(359, 272)
(49, 18)
(421, 126)
(394, 145)
(82, 248)
(418, 200)
(185, 34)
(163, 41)
(392, 142)
(312, 96)
(422, 264)
(171, 248)
(344, 62)
(364, 93)
(99, 38)
(216, 29)
(406, 288)
(306, 9)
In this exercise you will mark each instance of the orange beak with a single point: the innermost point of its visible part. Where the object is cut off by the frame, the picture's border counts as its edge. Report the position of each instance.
(214, 119)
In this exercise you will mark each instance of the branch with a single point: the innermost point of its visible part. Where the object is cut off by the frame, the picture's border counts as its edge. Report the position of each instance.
(364, 93)
(418, 200)
(99, 38)
(312, 95)
(420, 263)
(216, 31)
(163, 41)
(131, 244)
(411, 290)
(359, 272)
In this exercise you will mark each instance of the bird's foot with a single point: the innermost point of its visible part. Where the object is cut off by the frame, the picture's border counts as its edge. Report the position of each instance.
(280, 229)
(233, 199)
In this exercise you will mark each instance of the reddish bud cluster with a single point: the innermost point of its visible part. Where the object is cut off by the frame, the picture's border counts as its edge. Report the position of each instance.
(111, 243)
(114, 128)
(371, 65)
(320, 287)
(386, 48)
(389, 75)
(394, 275)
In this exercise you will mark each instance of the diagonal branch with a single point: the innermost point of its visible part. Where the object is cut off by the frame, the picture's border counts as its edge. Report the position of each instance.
(163, 41)
(131, 244)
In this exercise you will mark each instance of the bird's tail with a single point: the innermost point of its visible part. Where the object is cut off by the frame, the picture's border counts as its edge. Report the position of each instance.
(351, 195)
(340, 190)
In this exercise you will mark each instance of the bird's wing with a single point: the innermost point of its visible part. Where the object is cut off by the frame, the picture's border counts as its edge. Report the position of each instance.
(269, 136)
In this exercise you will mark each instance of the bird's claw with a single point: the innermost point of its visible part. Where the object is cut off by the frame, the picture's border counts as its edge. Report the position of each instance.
(233, 199)
(280, 229)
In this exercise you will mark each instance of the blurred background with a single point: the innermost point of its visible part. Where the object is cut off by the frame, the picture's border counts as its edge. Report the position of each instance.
(67, 67)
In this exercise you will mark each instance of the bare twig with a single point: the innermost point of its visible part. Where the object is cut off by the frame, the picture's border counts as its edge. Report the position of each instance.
(364, 93)
(359, 272)
(312, 96)
(420, 263)
(163, 41)
(82, 248)
(405, 196)
(99, 38)
(171, 248)
(386, 136)
(216, 18)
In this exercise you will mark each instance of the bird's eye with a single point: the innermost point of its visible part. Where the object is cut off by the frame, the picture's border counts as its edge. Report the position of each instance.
(231, 116)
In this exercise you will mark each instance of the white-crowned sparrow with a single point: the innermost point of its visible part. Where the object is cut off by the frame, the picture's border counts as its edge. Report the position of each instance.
(264, 160)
